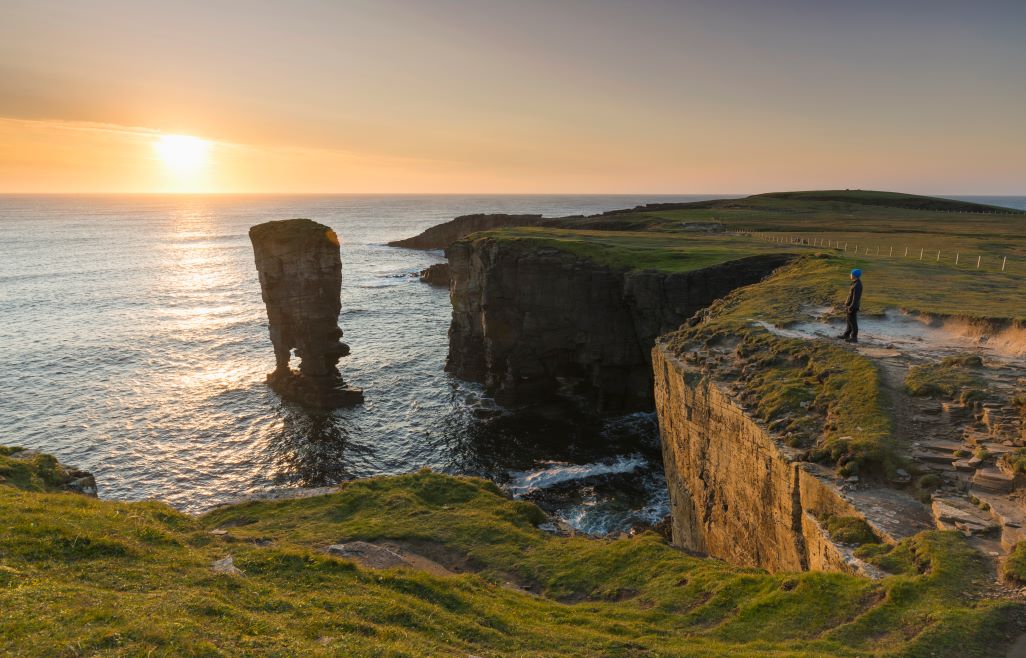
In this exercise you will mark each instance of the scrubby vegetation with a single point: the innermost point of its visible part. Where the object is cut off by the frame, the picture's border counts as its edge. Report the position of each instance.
(80, 576)
(1014, 568)
(39, 472)
(666, 252)
(833, 392)
(1015, 460)
(850, 530)
(949, 377)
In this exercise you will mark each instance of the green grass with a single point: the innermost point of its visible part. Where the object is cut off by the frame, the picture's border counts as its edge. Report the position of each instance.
(662, 251)
(1014, 568)
(837, 390)
(925, 286)
(945, 378)
(38, 473)
(850, 530)
(1015, 460)
(80, 576)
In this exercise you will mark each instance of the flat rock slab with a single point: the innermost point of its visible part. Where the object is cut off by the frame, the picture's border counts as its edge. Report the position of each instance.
(960, 514)
(894, 513)
(376, 556)
(993, 480)
(879, 352)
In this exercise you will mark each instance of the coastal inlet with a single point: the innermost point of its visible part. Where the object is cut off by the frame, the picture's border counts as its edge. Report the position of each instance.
(160, 389)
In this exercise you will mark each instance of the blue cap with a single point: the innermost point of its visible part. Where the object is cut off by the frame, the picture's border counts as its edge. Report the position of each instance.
(856, 273)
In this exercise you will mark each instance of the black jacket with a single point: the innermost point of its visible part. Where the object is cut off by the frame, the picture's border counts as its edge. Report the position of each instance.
(854, 296)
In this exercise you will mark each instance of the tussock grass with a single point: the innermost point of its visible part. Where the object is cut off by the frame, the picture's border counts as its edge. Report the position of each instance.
(945, 378)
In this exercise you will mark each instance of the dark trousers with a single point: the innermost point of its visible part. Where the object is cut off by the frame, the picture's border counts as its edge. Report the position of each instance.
(852, 330)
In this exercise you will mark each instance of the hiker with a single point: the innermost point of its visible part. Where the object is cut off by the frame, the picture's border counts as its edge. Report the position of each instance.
(851, 307)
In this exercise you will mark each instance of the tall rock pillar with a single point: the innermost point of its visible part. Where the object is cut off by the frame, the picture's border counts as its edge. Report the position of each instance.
(300, 269)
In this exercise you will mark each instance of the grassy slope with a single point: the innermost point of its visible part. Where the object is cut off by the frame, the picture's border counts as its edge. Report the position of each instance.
(81, 576)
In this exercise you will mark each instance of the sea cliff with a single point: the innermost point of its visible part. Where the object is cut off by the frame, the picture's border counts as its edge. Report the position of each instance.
(532, 322)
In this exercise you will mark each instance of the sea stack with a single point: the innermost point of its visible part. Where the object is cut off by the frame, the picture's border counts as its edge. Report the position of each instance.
(300, 269)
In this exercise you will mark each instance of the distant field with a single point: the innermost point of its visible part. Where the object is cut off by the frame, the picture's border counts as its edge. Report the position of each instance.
(659, 238)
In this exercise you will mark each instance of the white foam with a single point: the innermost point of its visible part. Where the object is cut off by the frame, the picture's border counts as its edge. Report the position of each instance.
(526, 482)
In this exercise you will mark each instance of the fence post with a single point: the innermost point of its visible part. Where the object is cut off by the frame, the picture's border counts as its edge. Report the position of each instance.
(906, 251)
(938, 255)
(978, 258)
(891, 252)
(956, 257)
(921, 254)
(1003, 263)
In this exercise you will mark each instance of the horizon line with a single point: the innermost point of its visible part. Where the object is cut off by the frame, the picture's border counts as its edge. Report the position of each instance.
(607, 194)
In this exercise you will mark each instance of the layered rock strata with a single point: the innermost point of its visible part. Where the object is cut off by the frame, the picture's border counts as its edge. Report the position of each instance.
(533, 323)
(737, 493)
(300, 268)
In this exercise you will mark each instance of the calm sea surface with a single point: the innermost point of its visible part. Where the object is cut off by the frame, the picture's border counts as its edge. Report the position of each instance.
(133, 343)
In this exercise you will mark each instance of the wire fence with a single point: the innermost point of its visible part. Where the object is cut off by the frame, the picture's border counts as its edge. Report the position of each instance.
(968, 260)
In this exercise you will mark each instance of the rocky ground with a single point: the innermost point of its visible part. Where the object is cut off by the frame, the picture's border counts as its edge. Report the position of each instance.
(960, 444)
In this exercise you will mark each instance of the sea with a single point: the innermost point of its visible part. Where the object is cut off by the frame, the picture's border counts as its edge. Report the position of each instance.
(134, 345)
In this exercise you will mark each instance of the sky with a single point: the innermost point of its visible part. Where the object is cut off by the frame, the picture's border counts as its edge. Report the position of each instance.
(493, 96)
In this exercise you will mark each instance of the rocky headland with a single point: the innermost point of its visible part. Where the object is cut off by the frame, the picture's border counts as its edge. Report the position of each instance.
(443, 235)
(300, 269)
(534, 322)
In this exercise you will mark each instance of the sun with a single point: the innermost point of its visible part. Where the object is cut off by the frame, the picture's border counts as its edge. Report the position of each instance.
(182, 154)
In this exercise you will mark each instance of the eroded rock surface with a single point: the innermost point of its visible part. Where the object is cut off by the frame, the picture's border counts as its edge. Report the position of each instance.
(300, 269)
(436, 275)
(738, 493)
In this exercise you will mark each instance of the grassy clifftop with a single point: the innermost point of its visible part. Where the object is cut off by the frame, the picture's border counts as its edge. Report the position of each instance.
(80, 576)
(644, 250)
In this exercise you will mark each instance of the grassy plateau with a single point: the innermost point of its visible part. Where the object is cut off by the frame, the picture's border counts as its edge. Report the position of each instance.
(80, 576)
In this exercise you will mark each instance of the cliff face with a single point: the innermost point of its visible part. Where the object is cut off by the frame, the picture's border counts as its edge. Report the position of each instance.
(735, 492)
(531, 323)
(443, 235)
(300, 269)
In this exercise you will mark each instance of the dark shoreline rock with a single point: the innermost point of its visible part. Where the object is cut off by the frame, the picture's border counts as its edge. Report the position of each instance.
(436, 275)
(300, 269)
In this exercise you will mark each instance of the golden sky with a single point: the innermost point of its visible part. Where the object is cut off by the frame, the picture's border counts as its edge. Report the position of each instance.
(528, 97)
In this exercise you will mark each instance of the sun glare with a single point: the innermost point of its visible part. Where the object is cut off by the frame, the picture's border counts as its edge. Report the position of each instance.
(182, 154)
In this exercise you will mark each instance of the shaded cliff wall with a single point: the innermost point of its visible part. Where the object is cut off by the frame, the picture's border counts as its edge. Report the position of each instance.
(735, 493)
(532, 323)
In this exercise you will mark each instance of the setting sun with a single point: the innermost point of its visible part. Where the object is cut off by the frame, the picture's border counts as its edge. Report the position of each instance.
(182, 154)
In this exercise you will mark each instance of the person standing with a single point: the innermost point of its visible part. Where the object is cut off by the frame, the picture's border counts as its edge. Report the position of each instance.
(851, 307)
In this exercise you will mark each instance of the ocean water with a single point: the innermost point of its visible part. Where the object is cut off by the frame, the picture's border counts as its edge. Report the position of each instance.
(133, 343)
